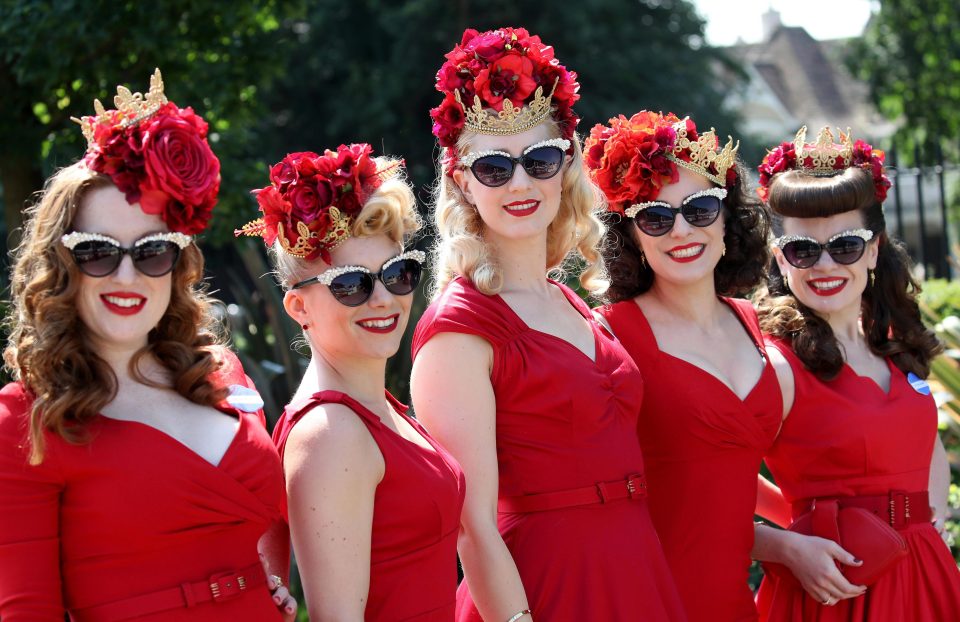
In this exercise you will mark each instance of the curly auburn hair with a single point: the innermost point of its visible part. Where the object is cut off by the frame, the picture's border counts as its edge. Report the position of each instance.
(460, 249)
(391, 210)
(48, 349)
(889, 313)
(740, 270)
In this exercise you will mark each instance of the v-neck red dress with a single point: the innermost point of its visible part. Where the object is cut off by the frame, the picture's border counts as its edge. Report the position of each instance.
(133, 512)
(564, 422)
(703, 446)
(847, 437)
(416, 517)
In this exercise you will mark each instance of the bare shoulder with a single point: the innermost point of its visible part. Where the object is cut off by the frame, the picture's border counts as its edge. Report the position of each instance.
(784, 372)
(458, 350)
(329, 436)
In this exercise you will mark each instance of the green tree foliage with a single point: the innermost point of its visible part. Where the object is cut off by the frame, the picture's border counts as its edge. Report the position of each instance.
(57, 56)
(910, 57)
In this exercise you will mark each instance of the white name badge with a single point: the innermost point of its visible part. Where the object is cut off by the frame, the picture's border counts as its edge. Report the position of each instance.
(919, 384)
(244, 398)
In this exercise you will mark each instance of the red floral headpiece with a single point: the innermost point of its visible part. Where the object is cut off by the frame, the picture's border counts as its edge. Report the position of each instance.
(313, 199)
(157, 155)
(631, 160)
(823, 158)
(501, 82)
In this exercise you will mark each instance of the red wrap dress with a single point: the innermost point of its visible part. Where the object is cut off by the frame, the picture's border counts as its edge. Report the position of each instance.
(416, 517)
(848, 437)
(564, 423)
(702, 446)
(104, 528)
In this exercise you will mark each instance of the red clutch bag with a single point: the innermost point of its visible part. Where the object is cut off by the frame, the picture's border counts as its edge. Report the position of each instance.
(858, 531)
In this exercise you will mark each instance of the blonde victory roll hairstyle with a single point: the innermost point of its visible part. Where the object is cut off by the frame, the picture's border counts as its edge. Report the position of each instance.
(391, 210)
(460, 249)
(48, 350)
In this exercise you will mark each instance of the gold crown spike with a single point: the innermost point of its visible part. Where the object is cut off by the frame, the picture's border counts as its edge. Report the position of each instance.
(703, 153)
(512, 119)
(253, 228)
(824, 154)
(132, 108)
(339, 229)
(392, 169)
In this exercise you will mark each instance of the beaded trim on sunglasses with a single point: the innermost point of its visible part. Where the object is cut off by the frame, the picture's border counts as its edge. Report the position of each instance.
(865, 234)
(327, 277)
(71, 240)
(633, 210)
(470, 158)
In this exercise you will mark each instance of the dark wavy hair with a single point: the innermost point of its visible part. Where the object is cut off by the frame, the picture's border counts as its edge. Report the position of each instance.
(890, 315)
(740, 270)
(48, 349)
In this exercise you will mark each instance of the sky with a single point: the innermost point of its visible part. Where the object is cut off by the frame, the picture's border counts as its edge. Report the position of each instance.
(823, 19)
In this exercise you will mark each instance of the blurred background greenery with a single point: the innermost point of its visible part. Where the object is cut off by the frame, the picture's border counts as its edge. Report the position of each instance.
(277, 76)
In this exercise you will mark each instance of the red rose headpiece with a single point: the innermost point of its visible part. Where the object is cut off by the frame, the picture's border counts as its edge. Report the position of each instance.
(156, 154)
(823, 158)
(501, 82)
(631, 160)
(313, 199)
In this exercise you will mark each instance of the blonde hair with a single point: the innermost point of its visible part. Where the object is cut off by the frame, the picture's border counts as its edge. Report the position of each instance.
(48, 349)
(576, 231)
(390, 211)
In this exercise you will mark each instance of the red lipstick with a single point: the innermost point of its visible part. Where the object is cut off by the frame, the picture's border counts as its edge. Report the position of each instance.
(123, 303)
(521, 208)
(385, 324)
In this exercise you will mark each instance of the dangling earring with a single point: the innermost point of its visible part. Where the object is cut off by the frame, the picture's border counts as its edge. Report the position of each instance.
(723, 253)
(643, 260)
(873, 276)
(786, 281)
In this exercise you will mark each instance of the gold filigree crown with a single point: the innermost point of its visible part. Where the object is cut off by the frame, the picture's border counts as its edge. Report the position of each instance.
(703, 153)
(822, 157)
(132, 108)
(511, 119)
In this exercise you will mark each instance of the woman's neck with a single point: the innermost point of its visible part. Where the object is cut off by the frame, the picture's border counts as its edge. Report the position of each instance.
(363, 379)
(694, 302)
(523, 263)
(845, 325)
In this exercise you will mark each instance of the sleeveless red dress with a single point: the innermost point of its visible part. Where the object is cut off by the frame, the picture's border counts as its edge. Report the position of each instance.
(702, 446)
(846, 437)
(133, 525)
(564, 422)
(416, 517)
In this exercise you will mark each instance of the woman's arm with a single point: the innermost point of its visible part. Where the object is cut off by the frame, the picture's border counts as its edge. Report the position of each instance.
(274, 548)
(939, 486)
(333, 467)
(454, 399)
(30, 582)
(770, 503)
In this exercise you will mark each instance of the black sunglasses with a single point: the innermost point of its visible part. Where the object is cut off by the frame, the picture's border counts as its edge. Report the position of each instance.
(353, 285)
(99, 255)
(656, 218)
(804, 252)
(541, 160)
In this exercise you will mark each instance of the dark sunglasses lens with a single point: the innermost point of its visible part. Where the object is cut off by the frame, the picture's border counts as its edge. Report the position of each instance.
(402, 277)
(702, 211)
(492, 170)
(801, 253)
(352, 289)
(155, 258)
(846, 250)
(97, 258)
(655, 220)
(543, 162)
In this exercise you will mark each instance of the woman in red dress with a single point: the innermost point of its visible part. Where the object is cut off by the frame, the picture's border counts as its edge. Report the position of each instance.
(374, 503)
(862, 425)
(687, 238)
(136, 474)
(512, 373)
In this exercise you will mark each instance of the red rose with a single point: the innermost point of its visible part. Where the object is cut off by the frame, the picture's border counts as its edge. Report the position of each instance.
(275, 211)
(181, 170)
(511, 77)
(303, 200)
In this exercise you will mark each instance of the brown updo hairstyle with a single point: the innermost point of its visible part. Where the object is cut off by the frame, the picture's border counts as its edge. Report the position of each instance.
(49, 350)
(740, 270)
(890, 315)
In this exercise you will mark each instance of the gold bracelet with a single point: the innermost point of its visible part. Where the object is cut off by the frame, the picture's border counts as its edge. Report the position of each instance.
(519, 615)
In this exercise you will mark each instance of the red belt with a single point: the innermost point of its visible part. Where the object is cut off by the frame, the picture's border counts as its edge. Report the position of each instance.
(634, 487)
(218, 588)
(897, 508)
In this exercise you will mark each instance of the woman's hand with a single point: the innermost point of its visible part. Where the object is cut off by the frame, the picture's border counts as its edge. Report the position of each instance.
(813, 561)
(286, 603)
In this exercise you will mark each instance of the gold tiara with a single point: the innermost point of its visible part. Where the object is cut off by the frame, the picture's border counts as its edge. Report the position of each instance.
(511, 119)
(823, 154)
(703, 153)
(132, 108)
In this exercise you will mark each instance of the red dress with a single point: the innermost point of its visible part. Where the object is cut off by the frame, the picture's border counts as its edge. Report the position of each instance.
(133, 514)
(416, 517)
(564, 423)
(703, 447)
(847, 437)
